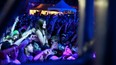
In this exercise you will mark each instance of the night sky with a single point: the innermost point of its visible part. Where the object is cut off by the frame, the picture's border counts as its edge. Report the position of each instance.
(69, 2)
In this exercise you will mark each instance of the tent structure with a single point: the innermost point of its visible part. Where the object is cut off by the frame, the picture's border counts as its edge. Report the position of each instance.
(40, 8)
(43, 8)
(62, 6)
(59, 8)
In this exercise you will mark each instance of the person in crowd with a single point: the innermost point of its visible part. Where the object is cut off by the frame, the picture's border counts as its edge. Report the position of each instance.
(14, 25)
(9, 53)
(67, 54)
(75, 51)
(9, 39)
(49, 54)
(31, 34)
(25, 53)
(36, 48)
(41, 33)
(15, 35)
(24, 36)
(63, 39)
(59, 47)
(26, 49)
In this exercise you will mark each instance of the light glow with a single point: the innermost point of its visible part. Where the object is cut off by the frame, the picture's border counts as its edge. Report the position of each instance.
(44, 12)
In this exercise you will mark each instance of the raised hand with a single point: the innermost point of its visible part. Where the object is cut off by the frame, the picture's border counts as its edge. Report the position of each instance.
(17, 19)
(13, 27)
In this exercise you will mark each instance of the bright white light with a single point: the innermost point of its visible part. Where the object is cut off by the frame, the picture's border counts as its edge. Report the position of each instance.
(102, 3)
(82, 3)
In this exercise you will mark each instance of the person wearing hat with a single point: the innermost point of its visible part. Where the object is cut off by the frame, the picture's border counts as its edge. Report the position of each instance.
(15, 35)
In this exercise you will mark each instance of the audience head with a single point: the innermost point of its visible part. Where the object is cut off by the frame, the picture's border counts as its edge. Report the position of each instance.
(41, 24)
(54, 42)
(29, 48)
(15, 34)
(10, 50)
(5, 45)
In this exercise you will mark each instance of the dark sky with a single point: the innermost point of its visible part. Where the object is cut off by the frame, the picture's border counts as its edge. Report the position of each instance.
(2, 3)
(70, 2)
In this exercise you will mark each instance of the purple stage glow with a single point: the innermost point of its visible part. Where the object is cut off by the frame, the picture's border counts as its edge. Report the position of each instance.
(94, 55)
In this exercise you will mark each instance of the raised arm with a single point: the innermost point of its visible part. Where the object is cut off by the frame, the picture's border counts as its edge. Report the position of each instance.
(25, 33)
(39, 56)
(13, 27)
(18, 42)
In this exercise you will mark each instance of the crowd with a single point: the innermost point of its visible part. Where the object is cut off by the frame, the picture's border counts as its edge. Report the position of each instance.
(40, 38)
